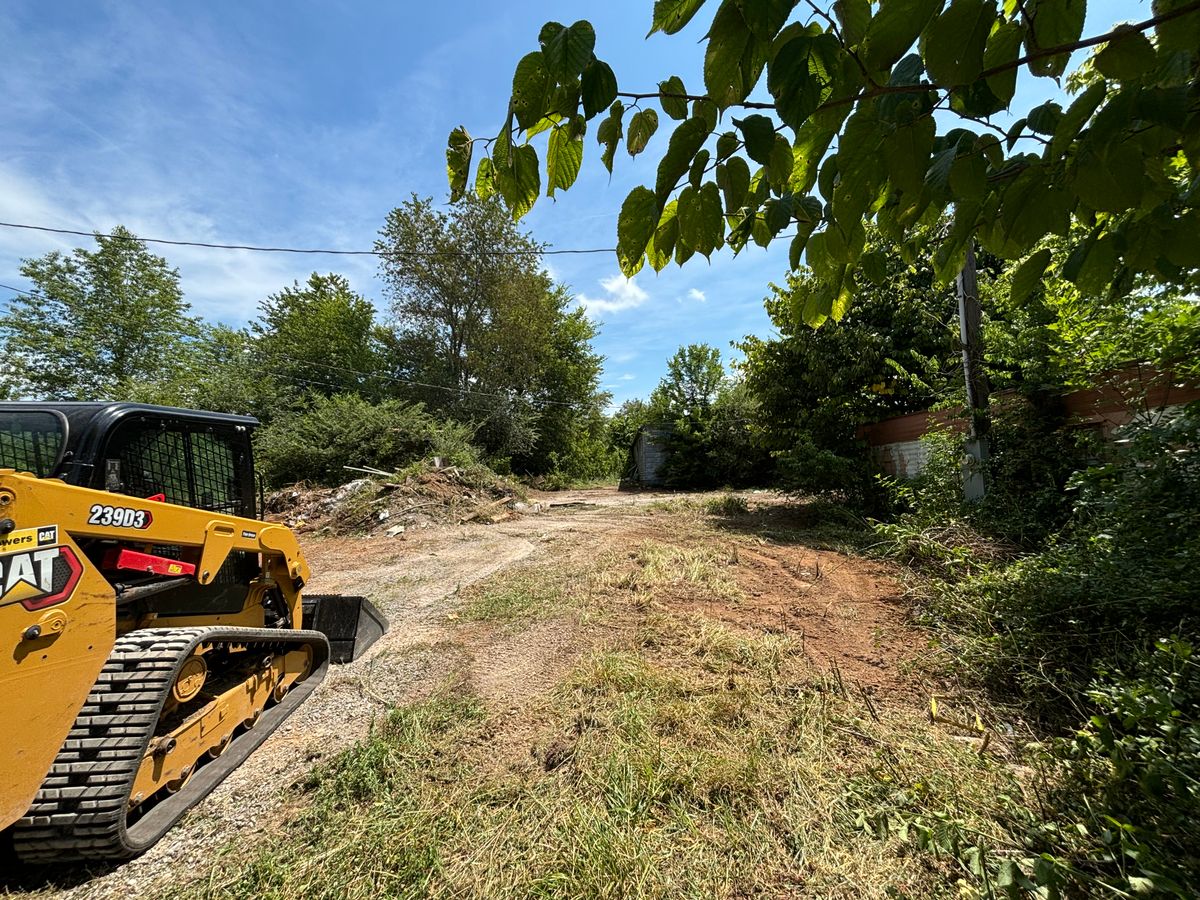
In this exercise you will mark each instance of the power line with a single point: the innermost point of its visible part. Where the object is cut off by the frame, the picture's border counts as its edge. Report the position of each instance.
(536, 402)
(307, 250)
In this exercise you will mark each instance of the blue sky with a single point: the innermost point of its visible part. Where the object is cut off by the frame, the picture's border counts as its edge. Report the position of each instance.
(303, 124)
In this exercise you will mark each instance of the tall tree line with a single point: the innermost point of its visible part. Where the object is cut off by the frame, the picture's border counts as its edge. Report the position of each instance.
(473, 329)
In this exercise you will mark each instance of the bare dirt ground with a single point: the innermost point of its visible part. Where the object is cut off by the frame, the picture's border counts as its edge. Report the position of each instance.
(845, 610)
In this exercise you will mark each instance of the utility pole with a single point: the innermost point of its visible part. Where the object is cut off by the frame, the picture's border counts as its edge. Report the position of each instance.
(969, 321)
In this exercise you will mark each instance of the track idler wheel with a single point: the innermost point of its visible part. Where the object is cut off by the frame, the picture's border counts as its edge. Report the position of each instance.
(190, 680)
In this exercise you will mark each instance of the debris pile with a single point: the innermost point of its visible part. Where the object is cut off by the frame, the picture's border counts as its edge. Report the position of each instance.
(395, 503)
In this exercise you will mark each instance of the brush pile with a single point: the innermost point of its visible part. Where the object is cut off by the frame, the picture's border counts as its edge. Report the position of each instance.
(416, 497)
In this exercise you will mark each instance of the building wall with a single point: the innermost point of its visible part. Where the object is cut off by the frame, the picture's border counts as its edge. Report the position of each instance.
(1116, 399)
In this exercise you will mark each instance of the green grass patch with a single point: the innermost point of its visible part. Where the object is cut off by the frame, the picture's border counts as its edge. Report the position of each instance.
(514, 596)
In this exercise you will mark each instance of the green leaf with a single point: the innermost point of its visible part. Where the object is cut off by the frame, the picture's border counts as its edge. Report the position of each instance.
(641, 127)
(779, 165)
(689, 217)
(893, 29)
(812, 142)
(1126, 57)
(635, 226)
(485, 179)
(666, 236)
(671, 16)
(599, 87)
(777, 213)
(712, 221)
(800, 241)
(458, 162)
(758, 134)
(727, 145)
(610, 132)
(686, 141)
(937, 176)
(1031, 208)
(564, 156)
(706, 110)
(1075, 118)
(1028, 276)
(1052, 23)
(873, 264)
(906, 152)
(735, 182)
(766, 17)
(569, 50)
(517, 176)
(1003, 48)
(1044, 119)
(675, 107)
(1112, 179)
(954, 42)
(1181, 33)
(951, 253)
(801, 76)
(968, 176)
(531, 92)
(696, 172)
(728, 39)
(854, 17)
(1014, 133)
(1096, 271)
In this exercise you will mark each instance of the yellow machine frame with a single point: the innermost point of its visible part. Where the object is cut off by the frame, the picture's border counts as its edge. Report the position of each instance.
(52, 655)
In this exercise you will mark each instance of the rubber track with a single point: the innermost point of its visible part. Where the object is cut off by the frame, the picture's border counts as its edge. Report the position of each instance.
(80, 810)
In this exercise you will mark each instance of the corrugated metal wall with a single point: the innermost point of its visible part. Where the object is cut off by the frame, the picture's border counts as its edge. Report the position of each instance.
(649, 455)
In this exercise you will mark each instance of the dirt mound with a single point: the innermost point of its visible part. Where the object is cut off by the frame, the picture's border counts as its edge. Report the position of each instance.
(395, 504)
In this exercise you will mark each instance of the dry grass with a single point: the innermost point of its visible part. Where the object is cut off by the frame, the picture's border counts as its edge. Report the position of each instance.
(704, 570)
(685, 759)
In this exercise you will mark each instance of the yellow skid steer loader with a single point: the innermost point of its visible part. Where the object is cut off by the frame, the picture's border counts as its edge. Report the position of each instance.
(152, 628)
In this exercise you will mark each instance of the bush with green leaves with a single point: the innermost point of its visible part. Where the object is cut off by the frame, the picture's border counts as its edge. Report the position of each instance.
(316, 444)
(1121, 572)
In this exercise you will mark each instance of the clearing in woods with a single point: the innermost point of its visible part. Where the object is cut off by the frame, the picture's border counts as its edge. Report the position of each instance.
(623, 695)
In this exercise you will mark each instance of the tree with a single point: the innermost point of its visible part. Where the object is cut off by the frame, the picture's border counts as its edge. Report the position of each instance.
(694, 377)
(321, 336)
(484, 335)
(223, 372)
(98, 325)
(854, 91)
(446, 274)
(711, 418)
(1058, 336)
(895, 351)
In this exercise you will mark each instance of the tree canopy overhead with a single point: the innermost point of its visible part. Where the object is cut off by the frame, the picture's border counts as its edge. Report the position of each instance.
(878, 112)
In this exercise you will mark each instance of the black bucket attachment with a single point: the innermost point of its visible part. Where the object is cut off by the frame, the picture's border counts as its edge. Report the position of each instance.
(352, 624)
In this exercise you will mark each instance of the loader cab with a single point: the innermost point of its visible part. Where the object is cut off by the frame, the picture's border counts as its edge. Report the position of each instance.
(189, 458)
(197, 459)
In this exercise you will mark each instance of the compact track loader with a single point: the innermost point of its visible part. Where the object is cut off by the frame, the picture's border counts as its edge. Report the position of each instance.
(152, 627)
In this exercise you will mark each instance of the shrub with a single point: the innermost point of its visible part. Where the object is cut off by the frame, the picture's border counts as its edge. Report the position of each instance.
(315, 444)
(1121, 573)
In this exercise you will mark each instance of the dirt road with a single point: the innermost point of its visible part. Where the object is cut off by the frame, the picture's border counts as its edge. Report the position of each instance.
(843, 609)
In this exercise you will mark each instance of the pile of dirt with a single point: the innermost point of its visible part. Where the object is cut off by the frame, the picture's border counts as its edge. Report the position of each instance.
(394, 505)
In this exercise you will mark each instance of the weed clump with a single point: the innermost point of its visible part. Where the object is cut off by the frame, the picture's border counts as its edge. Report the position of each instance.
(727, 505)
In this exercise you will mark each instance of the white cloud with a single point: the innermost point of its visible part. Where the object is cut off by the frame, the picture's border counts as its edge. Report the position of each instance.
(697, 295)
(628, 376)
(621, 293)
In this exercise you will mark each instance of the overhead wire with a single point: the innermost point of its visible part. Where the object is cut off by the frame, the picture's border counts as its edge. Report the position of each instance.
(309, 250)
